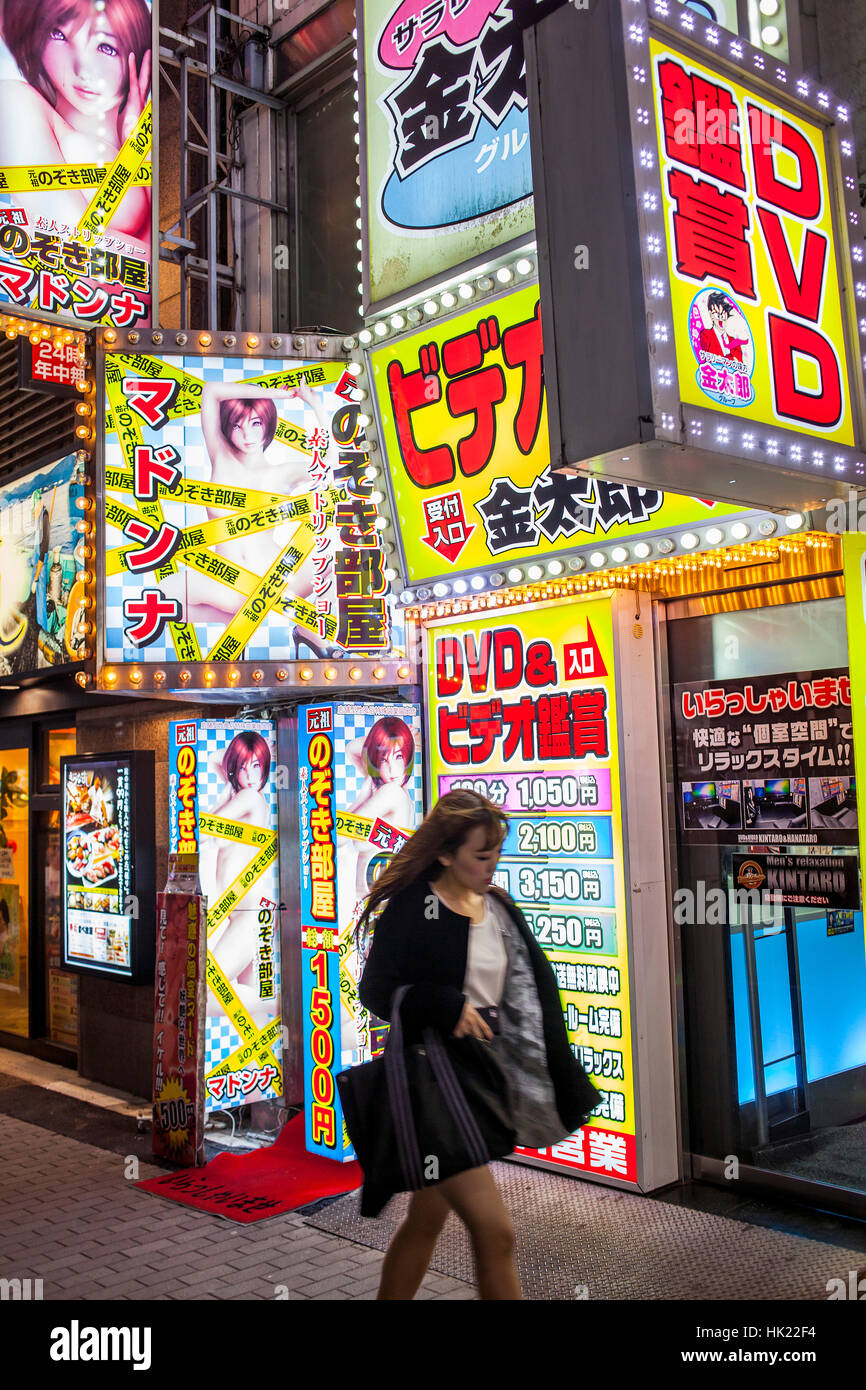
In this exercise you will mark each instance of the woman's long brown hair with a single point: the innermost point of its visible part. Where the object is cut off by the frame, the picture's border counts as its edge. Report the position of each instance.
(443, 831)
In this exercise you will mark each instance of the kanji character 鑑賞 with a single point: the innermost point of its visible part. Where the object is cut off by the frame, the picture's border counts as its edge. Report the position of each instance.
(710, 233)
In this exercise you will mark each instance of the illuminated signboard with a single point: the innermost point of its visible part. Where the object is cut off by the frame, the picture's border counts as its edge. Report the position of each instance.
(718, 265)
(41, 617)
(463, 415)
(240, 520)
(360, 799)
(522, 708)
(77, 216)
(222, 798)
(108, 865)
(854, 560)
(446, 176)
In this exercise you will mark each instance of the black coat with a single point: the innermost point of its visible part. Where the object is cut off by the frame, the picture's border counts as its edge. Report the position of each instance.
(420, 942)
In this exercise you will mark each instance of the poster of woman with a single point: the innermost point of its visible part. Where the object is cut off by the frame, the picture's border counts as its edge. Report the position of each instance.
(76, 132)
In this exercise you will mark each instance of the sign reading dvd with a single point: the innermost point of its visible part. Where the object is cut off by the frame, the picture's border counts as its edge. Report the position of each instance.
(719, 279)
(76, 135)
(108, 865)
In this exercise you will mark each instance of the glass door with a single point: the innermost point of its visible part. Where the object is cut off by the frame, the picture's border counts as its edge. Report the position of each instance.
(14, 891)
(60, 998)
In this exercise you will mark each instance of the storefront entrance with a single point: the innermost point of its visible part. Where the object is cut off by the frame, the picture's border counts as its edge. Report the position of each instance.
(773, 993)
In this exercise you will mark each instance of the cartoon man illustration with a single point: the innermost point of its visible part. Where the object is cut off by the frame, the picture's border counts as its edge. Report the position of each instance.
(716, 340)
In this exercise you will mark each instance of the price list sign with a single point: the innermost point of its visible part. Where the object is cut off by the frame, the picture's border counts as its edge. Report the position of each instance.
(522, 708)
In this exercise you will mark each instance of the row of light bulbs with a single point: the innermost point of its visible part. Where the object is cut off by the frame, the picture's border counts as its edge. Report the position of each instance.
(598, 559)
(443, 302)
(653, 573)
(135, 675)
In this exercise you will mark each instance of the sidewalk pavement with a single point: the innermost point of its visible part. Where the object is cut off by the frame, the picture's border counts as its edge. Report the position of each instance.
(71, 1216)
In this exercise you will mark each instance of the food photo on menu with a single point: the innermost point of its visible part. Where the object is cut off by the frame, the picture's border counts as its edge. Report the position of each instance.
(93, 840)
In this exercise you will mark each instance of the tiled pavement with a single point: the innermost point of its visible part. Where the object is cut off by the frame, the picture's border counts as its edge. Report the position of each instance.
(71, 1217)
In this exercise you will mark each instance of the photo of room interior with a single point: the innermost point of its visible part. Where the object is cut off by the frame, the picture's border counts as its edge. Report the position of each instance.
(711, 806)
(833, 802)
(775, 804)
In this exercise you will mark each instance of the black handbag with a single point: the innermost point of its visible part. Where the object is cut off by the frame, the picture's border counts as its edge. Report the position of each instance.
(421, 1114)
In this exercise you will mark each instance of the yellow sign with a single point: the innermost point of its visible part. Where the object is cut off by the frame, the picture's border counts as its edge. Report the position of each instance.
(854, 561)
(752, 252)
(464, 420)
(522, 708)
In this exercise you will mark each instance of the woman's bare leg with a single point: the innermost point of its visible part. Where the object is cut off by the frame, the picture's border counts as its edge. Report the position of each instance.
(478, 1202)
(411, 1249)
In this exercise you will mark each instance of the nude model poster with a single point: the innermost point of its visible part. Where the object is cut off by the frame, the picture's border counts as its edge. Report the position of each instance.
(241, 523)
(223, 806)
(360, 800)
(76, 173)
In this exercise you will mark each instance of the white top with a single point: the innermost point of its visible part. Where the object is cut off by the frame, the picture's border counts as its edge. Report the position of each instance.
(486, 960)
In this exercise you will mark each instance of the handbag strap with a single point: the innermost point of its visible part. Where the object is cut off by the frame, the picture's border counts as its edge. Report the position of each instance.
(405, 1133)
(456, 1101)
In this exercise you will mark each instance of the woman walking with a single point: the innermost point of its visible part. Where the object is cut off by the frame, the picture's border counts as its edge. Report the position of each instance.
(475, 971)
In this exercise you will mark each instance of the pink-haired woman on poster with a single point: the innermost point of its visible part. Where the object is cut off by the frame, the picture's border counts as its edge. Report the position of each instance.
(86, 70)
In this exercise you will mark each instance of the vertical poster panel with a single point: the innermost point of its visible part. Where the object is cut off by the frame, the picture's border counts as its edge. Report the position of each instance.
(178, 1104)
(446, 136)
(854, 563)
(522, 708)
(240, 522)
(223, 800)
(41, 617)
(76, 138)
(360, 800)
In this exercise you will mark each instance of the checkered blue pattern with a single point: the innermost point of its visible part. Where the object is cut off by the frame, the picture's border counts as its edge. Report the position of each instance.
(355, 722)
(274, 639)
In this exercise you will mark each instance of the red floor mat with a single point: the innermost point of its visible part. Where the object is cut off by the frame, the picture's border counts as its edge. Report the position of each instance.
(252, 1187)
